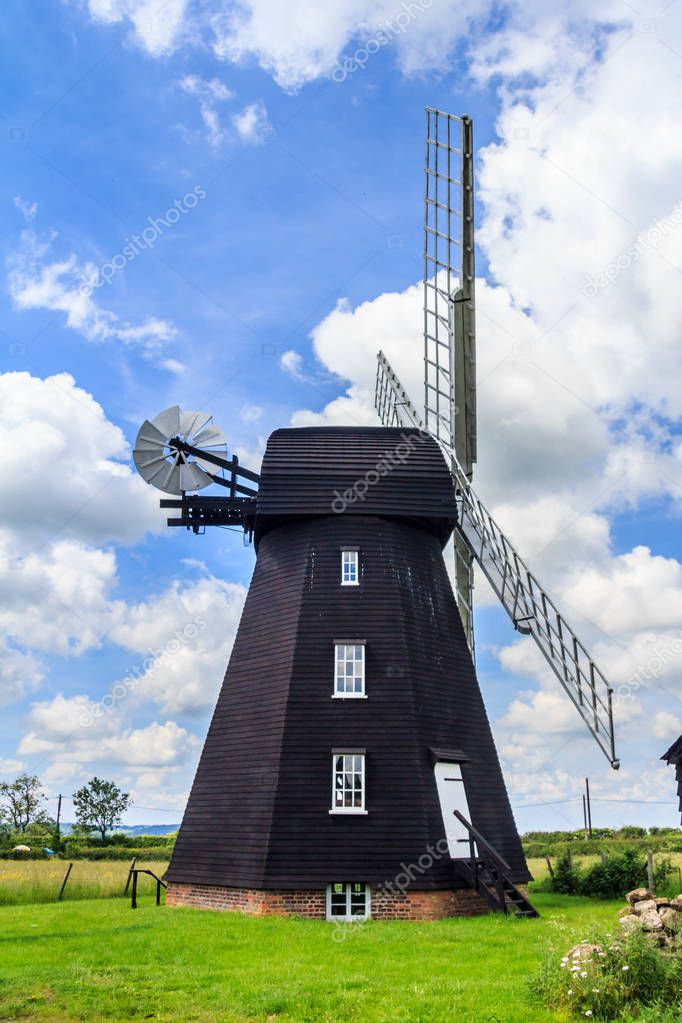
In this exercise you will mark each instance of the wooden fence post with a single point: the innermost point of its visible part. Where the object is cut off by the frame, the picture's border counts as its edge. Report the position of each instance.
(130, 874)
(603, 858)
(66, 878)
(133, 901)
(650, 869)
(550, 868)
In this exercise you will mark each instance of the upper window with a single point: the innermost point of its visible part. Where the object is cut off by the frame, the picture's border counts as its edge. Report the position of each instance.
(349, 568)
(348, 783)
(349, 669)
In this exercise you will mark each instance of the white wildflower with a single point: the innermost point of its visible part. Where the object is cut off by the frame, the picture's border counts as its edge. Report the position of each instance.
(625, 968)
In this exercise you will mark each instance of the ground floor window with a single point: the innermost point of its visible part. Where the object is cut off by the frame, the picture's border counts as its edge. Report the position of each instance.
(348, 901)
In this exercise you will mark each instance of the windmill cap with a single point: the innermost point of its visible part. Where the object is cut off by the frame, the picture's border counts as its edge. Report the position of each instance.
(397, 472)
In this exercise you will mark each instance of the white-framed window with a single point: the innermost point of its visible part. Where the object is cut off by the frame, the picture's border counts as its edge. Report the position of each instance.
(349, 669)
(348, 901)
(349, 568)
(348, 782)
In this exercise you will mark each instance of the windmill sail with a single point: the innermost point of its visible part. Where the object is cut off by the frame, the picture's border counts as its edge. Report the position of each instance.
(449, 316)
(527, 603)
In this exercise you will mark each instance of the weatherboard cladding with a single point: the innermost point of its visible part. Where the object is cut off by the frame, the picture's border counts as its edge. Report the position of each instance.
(384, 471)
(258, 814)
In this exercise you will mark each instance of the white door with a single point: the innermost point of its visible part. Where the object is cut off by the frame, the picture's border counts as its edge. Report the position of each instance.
(453, 797)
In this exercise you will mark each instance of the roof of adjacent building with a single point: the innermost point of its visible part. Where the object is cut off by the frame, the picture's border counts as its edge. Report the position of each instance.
(388, 471)
(674, 754)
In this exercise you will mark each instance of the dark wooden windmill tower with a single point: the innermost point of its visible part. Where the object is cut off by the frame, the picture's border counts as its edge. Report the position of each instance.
(349, 769)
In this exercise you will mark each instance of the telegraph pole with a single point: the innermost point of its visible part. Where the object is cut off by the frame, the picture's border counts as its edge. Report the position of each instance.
(59, 813)
(589, 806)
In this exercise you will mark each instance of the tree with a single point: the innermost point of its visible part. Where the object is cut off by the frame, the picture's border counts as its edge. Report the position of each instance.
(99, 805)
(21, 802)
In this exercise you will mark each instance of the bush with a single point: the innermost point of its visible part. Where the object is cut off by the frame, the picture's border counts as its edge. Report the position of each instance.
(616, 877)
(610, 880)
(566, 880)
(605, 979)
(112, 852)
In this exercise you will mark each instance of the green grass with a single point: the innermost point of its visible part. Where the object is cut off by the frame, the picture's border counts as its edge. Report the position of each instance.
(29, 881)
(99, 960)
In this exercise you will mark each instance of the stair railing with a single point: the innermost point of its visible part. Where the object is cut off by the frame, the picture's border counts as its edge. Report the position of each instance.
(477, 846)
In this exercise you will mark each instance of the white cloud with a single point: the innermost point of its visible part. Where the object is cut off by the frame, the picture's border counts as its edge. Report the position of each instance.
(59, 445)
(35, 282)
(209, 92)
(292, 363)
(28, 210)
(20, 673)
(208, 88)
(173, 366)
(302, 41)
(156, 27)
(182, 639)
(252, 123)
(631, 592)
(251, 414)
(56, 599)
(55, 730)
(666, 726)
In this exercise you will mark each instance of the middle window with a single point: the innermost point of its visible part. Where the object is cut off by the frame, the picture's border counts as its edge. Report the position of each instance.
(349, 669)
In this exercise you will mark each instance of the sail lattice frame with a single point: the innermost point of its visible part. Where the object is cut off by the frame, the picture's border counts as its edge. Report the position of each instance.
(527, 603)
(449, 283)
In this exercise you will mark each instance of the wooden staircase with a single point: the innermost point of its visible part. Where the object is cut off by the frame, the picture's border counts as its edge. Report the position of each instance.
(488, 874)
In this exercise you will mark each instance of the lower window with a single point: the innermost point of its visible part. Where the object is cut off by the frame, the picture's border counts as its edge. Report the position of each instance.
(348, 901)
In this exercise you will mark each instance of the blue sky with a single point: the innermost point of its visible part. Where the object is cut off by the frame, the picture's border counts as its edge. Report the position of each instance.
(265, 303)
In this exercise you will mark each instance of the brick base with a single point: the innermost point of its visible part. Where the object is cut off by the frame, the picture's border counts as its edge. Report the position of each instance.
(412, 905)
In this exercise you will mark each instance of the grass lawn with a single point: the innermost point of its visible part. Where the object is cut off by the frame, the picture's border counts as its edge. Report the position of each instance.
(99, 960)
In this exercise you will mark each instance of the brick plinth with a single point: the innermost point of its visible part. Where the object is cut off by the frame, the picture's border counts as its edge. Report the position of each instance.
(410, 905)
(247, 900)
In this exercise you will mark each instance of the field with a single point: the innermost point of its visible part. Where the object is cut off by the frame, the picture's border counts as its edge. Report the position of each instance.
(99, 960)
(26, 881)
(23, 882)
(538, 866)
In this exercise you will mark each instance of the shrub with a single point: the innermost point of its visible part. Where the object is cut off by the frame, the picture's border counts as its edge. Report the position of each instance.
(607, 978)
(610, 880)
(566, 880)
(616, 877)
(112, 852)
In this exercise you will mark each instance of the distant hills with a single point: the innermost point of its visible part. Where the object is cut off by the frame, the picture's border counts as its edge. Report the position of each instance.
(134, 829)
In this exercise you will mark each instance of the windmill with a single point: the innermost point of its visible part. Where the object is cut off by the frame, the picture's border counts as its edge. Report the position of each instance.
(349, 768)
